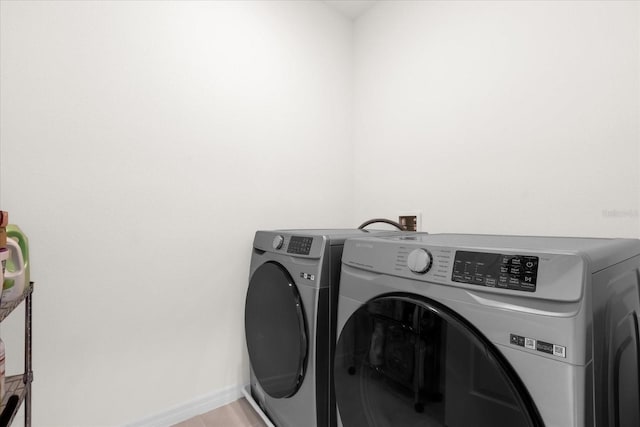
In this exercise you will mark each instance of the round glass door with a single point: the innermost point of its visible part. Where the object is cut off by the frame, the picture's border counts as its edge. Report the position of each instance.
(408, 361)
(275, 330)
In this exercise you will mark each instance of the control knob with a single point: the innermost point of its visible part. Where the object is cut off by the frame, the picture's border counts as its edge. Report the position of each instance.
(419, 261)
(277, 242)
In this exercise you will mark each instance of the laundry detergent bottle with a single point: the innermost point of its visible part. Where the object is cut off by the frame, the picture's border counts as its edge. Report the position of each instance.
(16, 275)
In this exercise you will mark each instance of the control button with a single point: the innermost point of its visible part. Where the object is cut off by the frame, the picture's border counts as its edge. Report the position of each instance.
(530, 343)
(517, 340)
(515, 261)
(277, 242)
(490, 281)
(504, 269)
(527, 279)
(544, 347)
(559, 350)
(420, 261)
(515, 271)
(529, 264)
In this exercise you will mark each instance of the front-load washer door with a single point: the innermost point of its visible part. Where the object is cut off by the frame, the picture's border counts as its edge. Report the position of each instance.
(275, 330)
(408, 361)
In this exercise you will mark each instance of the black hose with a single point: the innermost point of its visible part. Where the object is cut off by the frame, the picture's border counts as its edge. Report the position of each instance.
(386, 221)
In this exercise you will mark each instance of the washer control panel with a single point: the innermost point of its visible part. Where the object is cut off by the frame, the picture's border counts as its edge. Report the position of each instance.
(515, 272)
(299, 245)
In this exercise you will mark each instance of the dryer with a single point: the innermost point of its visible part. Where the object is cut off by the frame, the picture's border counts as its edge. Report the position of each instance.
(290, 316)
(484, 331)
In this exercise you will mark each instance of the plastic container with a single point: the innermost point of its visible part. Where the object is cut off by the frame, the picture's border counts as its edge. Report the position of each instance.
(14, 273)
(14, 232)
(17, 271)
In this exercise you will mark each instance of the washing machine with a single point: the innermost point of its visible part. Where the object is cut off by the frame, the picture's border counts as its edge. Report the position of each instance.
(290, 315)
(484, 331)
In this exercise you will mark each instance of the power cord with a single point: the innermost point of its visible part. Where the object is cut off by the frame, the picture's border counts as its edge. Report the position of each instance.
(384, 220)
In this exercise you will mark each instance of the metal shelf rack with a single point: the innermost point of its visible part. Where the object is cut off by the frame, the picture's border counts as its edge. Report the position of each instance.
(19, 386)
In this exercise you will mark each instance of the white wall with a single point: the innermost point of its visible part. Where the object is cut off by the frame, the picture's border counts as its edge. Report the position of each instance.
(500, 117)
(142, 144)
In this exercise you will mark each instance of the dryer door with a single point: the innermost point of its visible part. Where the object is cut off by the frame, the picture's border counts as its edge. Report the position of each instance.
(275, 330)
(409, 361)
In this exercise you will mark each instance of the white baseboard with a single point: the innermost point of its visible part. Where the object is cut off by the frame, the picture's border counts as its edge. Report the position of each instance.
(197, 406)
(246, 391)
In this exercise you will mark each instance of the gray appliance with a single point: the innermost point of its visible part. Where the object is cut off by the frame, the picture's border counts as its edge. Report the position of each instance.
(290, 315)
(484, 331)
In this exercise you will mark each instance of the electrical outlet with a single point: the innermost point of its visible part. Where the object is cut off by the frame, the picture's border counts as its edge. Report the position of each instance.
(410, 221)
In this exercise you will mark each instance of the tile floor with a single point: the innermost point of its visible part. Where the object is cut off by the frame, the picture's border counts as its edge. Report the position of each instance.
(235, 414)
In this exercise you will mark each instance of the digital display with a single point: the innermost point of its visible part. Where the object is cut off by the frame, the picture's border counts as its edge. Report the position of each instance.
(516, 272)
(300, 245)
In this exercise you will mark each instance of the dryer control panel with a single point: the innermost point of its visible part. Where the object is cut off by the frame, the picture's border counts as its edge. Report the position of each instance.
(515, 272)
(523, 266)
